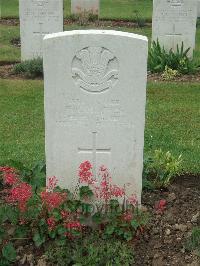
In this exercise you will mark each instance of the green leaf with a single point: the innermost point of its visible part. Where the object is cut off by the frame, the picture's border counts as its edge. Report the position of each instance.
(38, 239)
(21, 232)
(3, 216)
(12, 214)
(2, 234)
(57, 215)
(8, 252)
(128, 236)
(52, 234)
(97, 218)
(61, 230)
(110, 229)
(134, 224)
(85, 191)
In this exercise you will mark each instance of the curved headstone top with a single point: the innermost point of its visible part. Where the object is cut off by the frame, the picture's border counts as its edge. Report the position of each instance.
(95, 93)
(96, 32)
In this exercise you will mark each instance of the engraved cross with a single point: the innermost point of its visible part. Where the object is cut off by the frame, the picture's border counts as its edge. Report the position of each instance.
(94, 151)
(173, 34)
(41, 33)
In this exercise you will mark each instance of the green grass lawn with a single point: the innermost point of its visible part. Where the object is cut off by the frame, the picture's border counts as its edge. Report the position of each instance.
(109, 9)
(172, 121)
(9, 52)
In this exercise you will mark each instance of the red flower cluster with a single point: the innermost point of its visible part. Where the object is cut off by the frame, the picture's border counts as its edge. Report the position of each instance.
(76, 225)
(21, 193)
(51, 222)
(85, 173)
(53, 200)
(52, 183)
(10, 176)
(132, 200)
(160, 206)
(127, 216)
(106, 190)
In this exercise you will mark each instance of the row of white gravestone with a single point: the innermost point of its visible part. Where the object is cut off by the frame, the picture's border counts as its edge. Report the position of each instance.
(174, 22)
(40, 17)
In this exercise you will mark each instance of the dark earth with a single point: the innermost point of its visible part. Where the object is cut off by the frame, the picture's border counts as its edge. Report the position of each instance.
(164, 241)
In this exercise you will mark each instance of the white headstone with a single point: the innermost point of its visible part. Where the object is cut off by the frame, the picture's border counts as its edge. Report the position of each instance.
(174, 22)
(85, 6)
(198, 9)
(37, 18)
(95, 91)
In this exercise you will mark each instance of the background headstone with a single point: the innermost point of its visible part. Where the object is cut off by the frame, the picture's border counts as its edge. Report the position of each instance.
(95, 91)
(37, 18)
(85, 6)
(174, 22)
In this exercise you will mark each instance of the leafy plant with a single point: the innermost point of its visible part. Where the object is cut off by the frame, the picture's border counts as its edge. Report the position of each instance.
(139, 19)
(41, 214)
(92, 250)
(162, 167)
(194, 240)
(30, 68)
(178, 60)
(169, 74)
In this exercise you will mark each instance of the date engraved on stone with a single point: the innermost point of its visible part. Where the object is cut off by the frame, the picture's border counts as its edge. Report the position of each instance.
(95, 69)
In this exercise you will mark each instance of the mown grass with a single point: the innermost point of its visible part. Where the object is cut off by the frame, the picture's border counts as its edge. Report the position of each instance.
(21, 121)
(172, 121)
(109, 9)
(9, 52)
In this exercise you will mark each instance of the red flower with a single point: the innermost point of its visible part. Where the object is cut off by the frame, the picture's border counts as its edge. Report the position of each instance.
(10, 176)
(52, 183)
(53, 199)
(132, 200)
(106, 190)
(73, 225)
(160, 206)
(65, 214)
(85, 173)
(51, 223)
(20, 194)
(128, 216)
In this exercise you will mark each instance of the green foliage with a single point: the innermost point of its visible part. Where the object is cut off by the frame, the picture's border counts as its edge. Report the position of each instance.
(30, 68)
(8, 252)
(177, 60)
(139, 19)
(92, 249)
(43, 214)
(193, 243)
(162, 168)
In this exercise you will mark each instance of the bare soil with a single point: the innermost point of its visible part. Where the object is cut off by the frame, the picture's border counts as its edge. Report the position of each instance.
(6, 72)
(163, 243)
(84, 21)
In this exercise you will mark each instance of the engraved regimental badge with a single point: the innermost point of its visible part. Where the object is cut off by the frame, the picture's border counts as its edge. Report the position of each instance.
(95, 69)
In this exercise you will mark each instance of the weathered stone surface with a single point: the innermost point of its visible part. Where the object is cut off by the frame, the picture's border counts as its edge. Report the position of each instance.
(85, 6)
(95, 91)
(37, 18)
(174, 22)
(198, 9)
